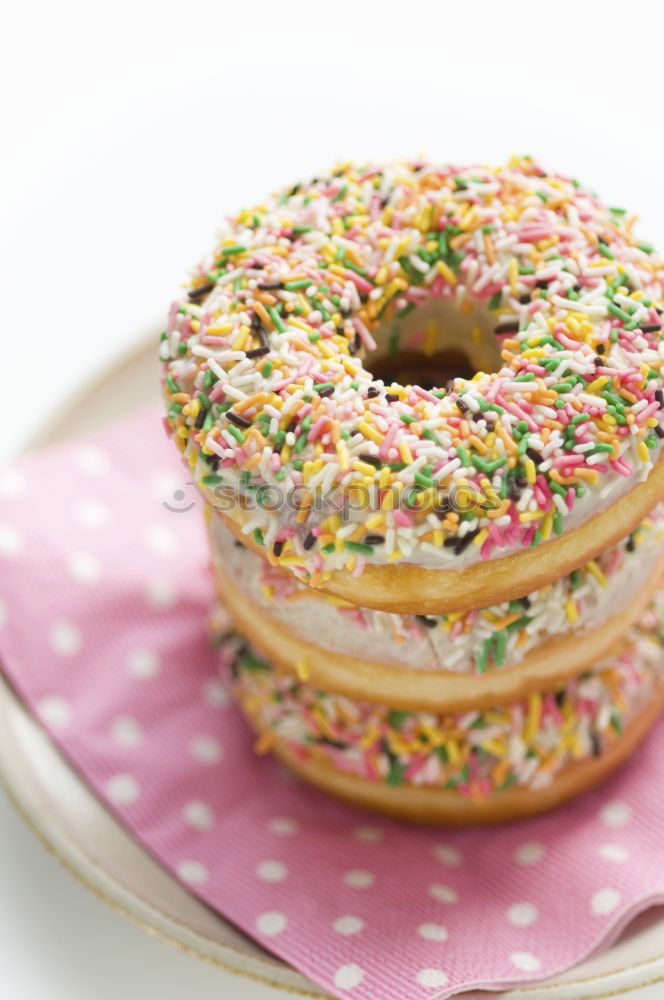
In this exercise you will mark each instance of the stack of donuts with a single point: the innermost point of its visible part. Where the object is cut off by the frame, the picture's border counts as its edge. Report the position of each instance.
(425, 408)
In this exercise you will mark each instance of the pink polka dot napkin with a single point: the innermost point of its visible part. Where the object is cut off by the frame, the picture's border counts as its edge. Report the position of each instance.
(103, 593)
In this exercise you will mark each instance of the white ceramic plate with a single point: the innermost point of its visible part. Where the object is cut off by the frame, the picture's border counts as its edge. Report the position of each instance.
(62, 811)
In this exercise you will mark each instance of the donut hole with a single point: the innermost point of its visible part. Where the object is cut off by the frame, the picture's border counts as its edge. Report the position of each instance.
(430, 371)
(435, 343)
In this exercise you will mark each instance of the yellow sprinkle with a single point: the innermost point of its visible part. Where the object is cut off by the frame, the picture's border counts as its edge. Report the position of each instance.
(599, 383)
(302, 670)
(342, 455)
(571, 610)
(364, 468)
(513, 273)
(446, 272)
(370, 432)
(405, 453)
(375, 522)
(595, 571)
(531, 472)
(429, 346)
(547, 525)
(481, 537)
(534, 716)
(643, 452)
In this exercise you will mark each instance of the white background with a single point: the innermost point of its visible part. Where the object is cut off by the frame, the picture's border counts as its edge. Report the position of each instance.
(128, 129)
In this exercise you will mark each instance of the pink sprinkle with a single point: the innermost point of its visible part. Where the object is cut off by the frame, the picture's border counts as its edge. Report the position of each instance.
(364, 334)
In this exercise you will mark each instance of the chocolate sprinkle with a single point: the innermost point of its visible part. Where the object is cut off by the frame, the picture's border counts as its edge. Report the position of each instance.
(196, 294)
(236, 419)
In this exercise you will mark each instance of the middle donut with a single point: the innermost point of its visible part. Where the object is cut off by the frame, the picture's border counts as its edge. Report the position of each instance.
(455, 661)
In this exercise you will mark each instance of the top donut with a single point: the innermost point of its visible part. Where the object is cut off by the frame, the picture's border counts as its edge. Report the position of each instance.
(543, 291)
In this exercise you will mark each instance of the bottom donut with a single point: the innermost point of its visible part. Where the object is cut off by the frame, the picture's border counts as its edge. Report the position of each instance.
(477, 767)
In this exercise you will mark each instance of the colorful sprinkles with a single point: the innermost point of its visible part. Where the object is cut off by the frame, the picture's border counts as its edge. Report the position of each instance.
(266, 385)
(477, 753)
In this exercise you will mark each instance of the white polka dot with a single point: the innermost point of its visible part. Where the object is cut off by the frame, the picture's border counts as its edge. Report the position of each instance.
(143, 663)
(529, 853)
(92, 461)
(193, 872)
(215, 693)
(443, 893)
(614, 852)
(347, 977)
(11, 541)
(12, 483)
(127, 732)
(92, 513)
(3, 614)
(604, 902)
(161, 594)
(55, 711)
(65, 638)
(525, 961)
(84, 567)
(368, 834)
(271, 923)
(123, 789)
(616, 814)
(357, 878)
(198, 815)
(431, 978)
(449, 855)
(164, 483)
(432, 932)
(348, 926)
(161, 540)
(206, 749)
(272, 871)
(522, 914)
(283, 826)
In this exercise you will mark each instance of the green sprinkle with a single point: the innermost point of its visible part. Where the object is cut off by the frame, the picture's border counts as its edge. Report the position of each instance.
(482, 658)
(485, 466)
(620, 313)
(172, 384)
(258, 536)
(276, 319)
(423, 480)
(495, 300)
(563, 387)
(323, 386)
(501, 647)
(203, 400)
(232, 250)
(646, 247)
(300, 443)
(365, 550)
(302, 229)
(396, 773)
(293, 286)
(396, 718)
(212, 479)
(463, 455)
(236, 432)
(266, 370)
